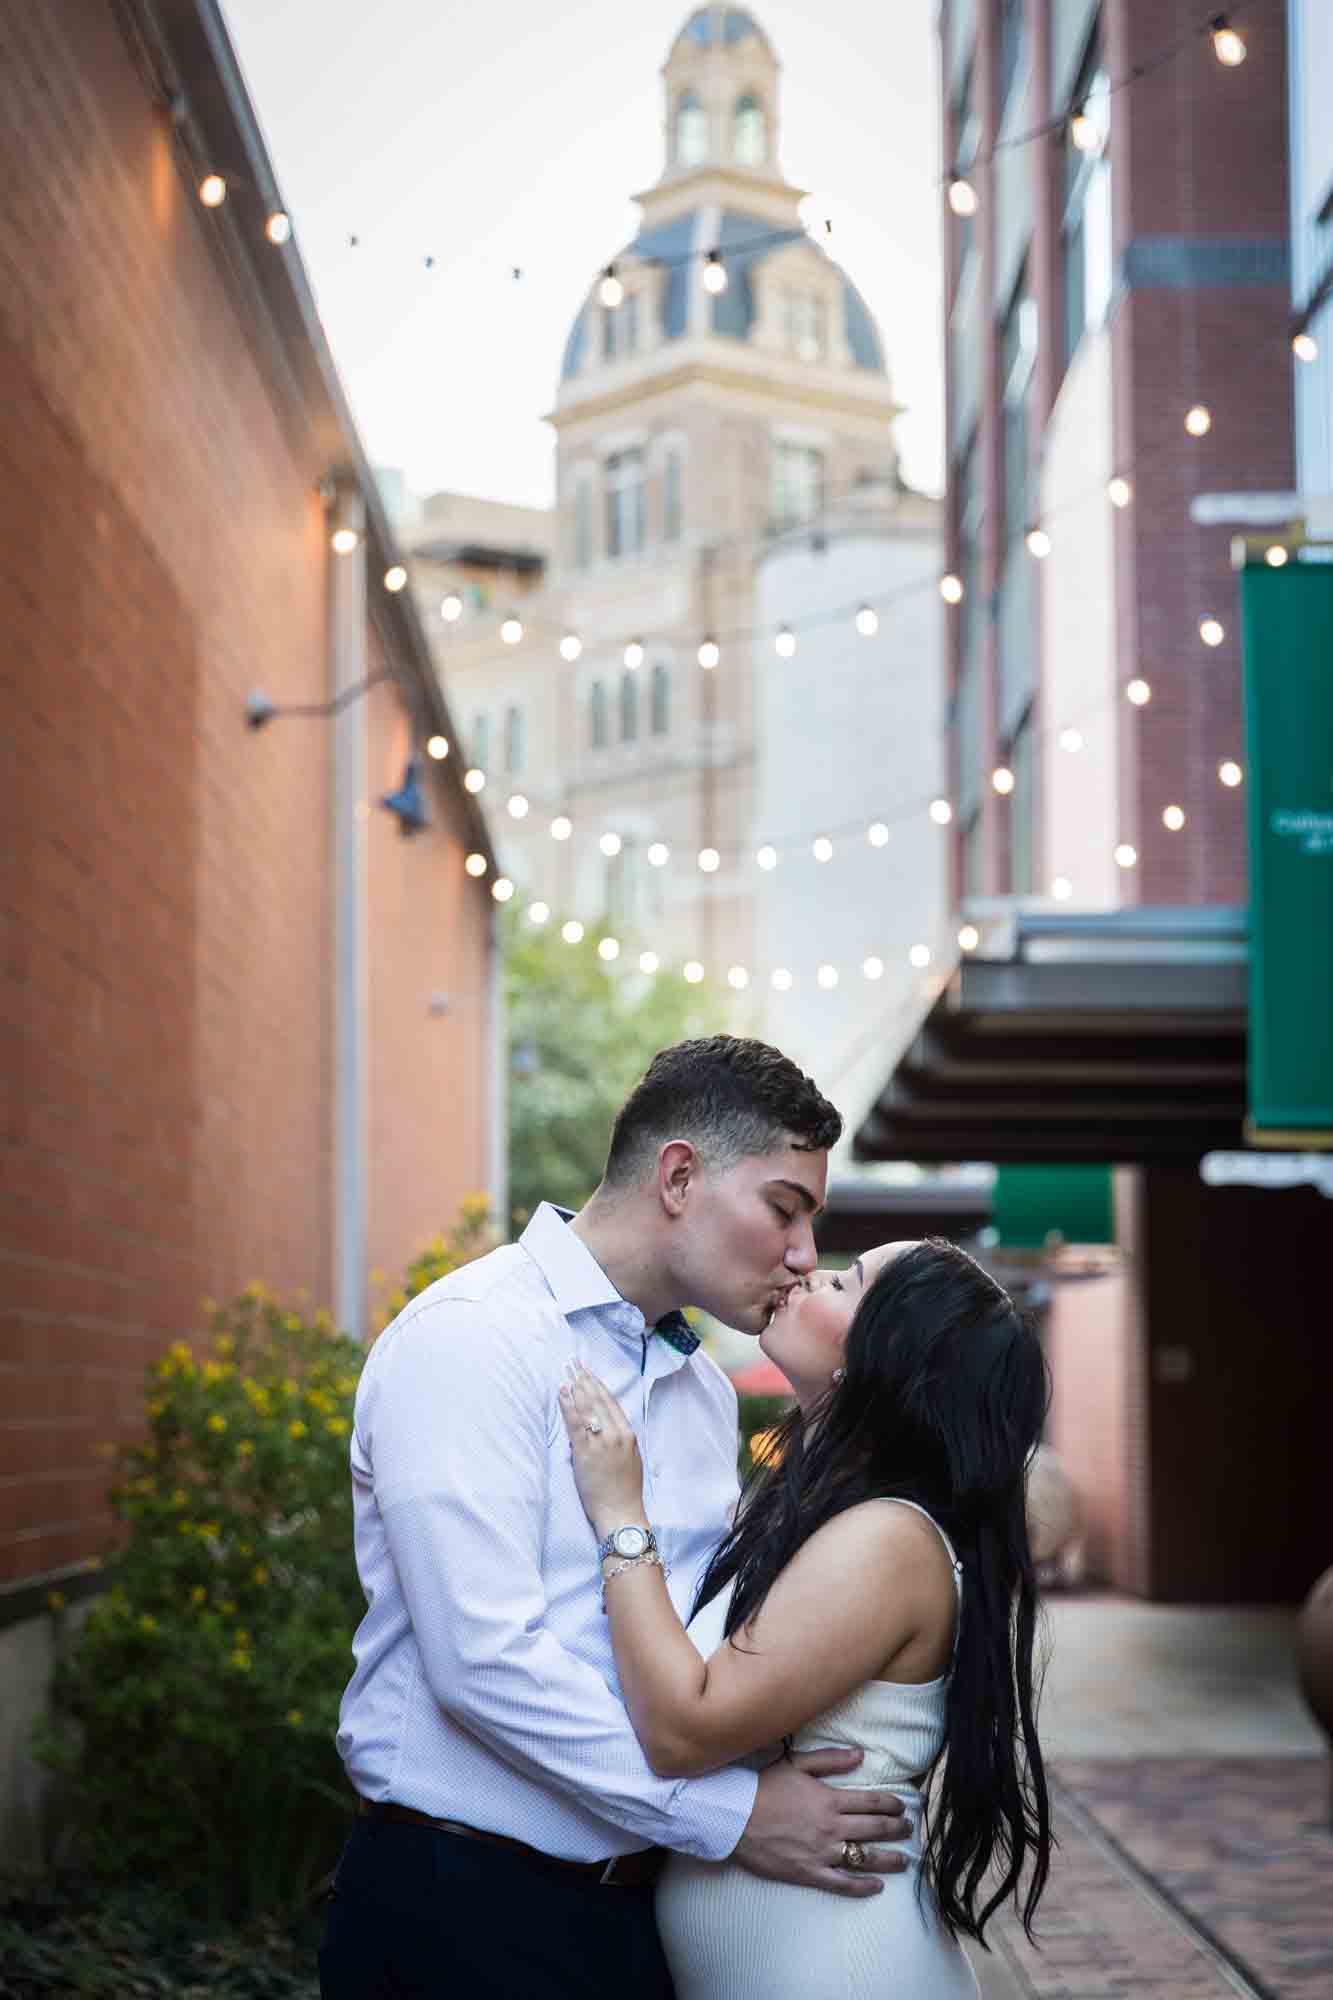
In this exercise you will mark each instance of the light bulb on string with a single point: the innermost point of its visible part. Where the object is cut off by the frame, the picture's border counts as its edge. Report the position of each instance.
(212, 190)
(1138, 692)
(572, 931)
(648, 961)
(608, 948)
(1198, 420)
(438, 748)
(395, 578)
(634, 654)
(941, 811)
(1173, 818)
(962, 195)
(1125, 855)
(518, 806)
(658, 854)
(502, 888)
(709, 654)
(1071, 740)
(476, 864)
(692, 972)
(785, 643)
(1119, 491)
(1083, 133)
(715, 273)
(571, 646)
(969, 937)
(1228, 46)
(737, 978)
(919, 956)
(344, 540)
(827, 977)
(451, 607)
(511, 631)
(822, 848)
(877, 833)
(1062, 888)
(610, 291)
(872, 968)
(1276, 557)
(278, 227)
(767, 857)
(1212, 631)
(561, 827)
(1230, 773)
(1304, 346)
(709, 860)
(610, 844)
(1039, 543)
(867, 621)
(474, 780)
(539, 914)
(1002, 780)
(781, 980)
(951, 588)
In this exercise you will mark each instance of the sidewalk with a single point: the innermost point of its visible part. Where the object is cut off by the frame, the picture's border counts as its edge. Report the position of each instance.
(1192, 1808)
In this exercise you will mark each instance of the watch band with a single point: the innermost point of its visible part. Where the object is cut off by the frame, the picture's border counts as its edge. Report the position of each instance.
(607, 1546)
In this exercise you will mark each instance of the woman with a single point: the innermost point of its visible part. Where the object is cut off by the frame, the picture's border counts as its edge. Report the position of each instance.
(876, 1589)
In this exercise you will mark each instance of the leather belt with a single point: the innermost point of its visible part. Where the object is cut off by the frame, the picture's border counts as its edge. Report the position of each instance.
(620, 1871)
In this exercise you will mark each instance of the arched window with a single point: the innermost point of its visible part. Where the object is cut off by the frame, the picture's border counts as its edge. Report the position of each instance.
(598, 730)
(481, 742)
(691, 133)
(629, 708)
(515, 747)
(661, 699)
(749, 137)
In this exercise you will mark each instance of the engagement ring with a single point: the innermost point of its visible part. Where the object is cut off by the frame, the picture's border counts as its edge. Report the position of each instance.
(853, 1855)
(592, 1427)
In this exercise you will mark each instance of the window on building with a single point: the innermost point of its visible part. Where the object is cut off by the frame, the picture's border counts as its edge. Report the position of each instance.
(620, 328)
(1022, 761)
(624, 503)
(479, 737)
(970, 505)
(972, 857)
(583, 525)
(691, 131)
(629, 707)
(598, 721)
(1012, 48)
(966, 145)
(749, 137)
(1085, 234)
(671, 497)
(798, 483)
(660, 717)
(803, 325)
(515, 740)
(1018, 360)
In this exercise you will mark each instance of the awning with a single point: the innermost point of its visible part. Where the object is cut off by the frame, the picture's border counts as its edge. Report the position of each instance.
(1117, 1037)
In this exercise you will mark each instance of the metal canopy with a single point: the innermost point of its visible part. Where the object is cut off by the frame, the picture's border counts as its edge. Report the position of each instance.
(1118, 1037)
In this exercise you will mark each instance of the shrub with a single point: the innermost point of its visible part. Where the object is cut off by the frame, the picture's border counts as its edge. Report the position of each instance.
(471, 1236)
(195, 1713)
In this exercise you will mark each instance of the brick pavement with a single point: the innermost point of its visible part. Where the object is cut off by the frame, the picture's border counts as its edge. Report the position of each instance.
(1240, 1847)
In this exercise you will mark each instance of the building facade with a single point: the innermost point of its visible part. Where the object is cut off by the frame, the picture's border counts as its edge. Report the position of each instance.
(723, 396)
(1311, 70)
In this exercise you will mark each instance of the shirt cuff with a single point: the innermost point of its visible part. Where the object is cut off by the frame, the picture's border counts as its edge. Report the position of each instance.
(713, 1812)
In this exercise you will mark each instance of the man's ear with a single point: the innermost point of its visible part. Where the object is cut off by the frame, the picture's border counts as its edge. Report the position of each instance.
(678, 1168)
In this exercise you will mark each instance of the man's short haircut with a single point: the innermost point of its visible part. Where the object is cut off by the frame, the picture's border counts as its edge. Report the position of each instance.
(730, 1097)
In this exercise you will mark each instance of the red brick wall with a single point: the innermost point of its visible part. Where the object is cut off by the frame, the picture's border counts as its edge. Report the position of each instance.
(164, 985)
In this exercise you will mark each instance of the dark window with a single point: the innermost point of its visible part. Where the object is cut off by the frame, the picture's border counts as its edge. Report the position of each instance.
(1022, 761)
(481, 742)
(671, 497)
(629, 708)
(515, 745)
(598, 721)
(624, 503)
(661, 699)
(749, 142)
(690, 133)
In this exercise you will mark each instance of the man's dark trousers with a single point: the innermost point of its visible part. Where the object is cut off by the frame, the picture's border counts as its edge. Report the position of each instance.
(418, 1914)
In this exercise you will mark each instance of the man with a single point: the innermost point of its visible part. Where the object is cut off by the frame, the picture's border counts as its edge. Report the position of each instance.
(509, 1827)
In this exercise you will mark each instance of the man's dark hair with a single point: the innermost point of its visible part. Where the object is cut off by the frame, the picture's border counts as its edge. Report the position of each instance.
(730, 1097)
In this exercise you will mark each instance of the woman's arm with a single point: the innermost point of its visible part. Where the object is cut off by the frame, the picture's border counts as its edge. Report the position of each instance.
(856, 1592)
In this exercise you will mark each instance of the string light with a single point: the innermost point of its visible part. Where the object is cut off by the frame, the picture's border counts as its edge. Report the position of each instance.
(539, 913)
(394, 578)
(1138, 692)
(709, 860)
(561, 827)
(608, 949)
(658, 854)
(1305, 347)
(1083, 131)
(451, 607)
(1125, 855)
(611, 292)
(1230, 773)
(1276, 557)
(610, 844)
(634, 654)
(475, 864)
(1002, 779)
(737, 978)
(511, 631)
(344, 540)
(648, 961)
(212, 190)
(873, 968)
(1199, 420)
(502, 888)
(919, 956)
(1173, 818)
(518, 806)
(941, 811)
(877, 833)
(571, 646)
(1039, 543)
(692, 971)
(1212, 631)
(715, 274)
(951, 589)
(709, 654)
(1228, 46)
(781, 980)
(1119, 491)
(1071, 739)
(474, 780)
(438, 748)
(827, 977)
(572, 932)
(962, 196)
(278, 228)
(822, 848)
(767, 857)
(785, 643)
(867, 622)
(969, 937)
(1062, 888)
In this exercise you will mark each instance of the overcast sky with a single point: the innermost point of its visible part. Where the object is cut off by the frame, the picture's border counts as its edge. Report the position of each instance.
(515, 133)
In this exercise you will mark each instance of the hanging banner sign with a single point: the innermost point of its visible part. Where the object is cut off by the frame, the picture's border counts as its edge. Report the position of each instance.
(1287, 617)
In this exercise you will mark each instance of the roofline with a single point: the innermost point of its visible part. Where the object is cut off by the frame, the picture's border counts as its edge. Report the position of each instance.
(191, 67)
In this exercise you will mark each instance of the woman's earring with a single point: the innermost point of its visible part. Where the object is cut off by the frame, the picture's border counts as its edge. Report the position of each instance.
(839, 1374)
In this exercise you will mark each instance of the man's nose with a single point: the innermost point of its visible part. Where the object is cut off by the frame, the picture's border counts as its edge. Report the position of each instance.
(801, 1257)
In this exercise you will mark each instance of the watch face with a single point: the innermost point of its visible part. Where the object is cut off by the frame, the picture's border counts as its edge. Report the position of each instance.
(630, 1541)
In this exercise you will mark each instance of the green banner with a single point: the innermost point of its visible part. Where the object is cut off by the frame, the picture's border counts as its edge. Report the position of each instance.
(1287, 616)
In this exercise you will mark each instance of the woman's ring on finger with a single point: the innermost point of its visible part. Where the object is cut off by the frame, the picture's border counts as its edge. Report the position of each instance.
(593, 1427)
(853, 1856)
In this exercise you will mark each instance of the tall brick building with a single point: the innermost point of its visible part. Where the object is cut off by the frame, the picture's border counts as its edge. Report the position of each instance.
(247, 1021)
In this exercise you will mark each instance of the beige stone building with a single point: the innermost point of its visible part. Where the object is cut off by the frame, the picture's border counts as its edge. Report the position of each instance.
(723, 388)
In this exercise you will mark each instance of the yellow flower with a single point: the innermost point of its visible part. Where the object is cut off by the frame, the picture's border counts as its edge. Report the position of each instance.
(156, 1407)
(292, 1322)
(93, 1562)
(296, 1430)
(243, 1641)
(210, 1530)
(147, 1624)
(241, 1660)
(290, 1386)
(336, 1427)
(199, 1595)
(227, 1608)
(244, 1549)
(260, 1574)
(476, 1207)
(254, 1290)
(185, 1527)
(55, 1600)
(179, 1497)
(216, 1422)
(245, 1449)
(345, 1384)
(180, 1352)
(225, 1343)
(295, 1717)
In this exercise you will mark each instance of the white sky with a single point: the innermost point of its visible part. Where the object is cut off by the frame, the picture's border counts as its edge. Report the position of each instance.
(515, 133)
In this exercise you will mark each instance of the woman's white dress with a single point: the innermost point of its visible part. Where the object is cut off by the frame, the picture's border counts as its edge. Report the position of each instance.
(730, 1935)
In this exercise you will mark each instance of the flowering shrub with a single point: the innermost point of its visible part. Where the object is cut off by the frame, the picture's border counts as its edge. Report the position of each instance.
(471, 1236)
(195, 1713)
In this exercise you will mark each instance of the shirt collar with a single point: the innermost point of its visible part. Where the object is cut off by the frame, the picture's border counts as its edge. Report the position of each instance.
(578, 1282)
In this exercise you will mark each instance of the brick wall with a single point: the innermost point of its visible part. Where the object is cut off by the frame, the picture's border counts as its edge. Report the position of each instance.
(165, 979)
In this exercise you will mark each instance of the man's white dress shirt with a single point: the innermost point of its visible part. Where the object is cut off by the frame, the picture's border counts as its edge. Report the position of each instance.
(485, 1687)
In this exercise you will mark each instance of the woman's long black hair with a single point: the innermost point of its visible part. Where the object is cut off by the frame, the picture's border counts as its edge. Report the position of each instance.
(942, 1403)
